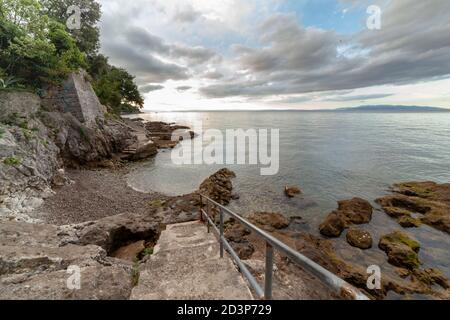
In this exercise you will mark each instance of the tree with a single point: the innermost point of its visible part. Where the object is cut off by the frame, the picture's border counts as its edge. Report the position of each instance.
(88, 36)
(117, 90)
(35, 48)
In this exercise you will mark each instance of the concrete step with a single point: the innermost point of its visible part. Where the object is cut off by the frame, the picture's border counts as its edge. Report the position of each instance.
(186, 265)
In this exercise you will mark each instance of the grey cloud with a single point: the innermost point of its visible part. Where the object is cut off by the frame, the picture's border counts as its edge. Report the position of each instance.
(184, 88)
(144, 40)
(150, 87)
(413, 45)
(150, 58)
(360, 97)
(214, 75)
(186, 14)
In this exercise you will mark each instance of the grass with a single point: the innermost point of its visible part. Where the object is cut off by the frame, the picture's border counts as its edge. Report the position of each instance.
(147, 252)
(135, 274)
(12, 161)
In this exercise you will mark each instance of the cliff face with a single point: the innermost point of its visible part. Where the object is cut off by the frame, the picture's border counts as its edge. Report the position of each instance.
(39, 137)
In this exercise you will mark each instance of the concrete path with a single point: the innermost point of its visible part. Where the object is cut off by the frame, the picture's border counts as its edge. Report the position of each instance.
(186, 265)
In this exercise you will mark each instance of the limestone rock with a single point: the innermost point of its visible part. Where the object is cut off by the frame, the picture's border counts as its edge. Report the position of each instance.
(111, 232)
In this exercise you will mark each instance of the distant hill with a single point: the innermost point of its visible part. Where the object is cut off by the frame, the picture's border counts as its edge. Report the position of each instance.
(392, 108)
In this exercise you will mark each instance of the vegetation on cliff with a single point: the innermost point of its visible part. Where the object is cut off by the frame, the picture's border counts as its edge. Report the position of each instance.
(38, 50)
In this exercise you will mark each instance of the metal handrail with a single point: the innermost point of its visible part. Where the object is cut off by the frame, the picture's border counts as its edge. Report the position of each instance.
(341, 287)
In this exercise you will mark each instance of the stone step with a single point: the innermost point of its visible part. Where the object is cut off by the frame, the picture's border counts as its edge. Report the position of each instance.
(186, 265)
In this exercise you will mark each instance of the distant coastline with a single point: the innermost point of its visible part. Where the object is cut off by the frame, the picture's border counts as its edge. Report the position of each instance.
(367, 108)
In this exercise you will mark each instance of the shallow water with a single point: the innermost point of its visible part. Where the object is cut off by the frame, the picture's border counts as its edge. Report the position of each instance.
(331, 156)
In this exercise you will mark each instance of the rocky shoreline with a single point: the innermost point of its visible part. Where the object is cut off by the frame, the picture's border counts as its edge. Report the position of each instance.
(64, 201)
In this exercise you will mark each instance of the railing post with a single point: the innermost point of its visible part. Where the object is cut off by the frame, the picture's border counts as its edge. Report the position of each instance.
(269, 272)
(221, 232)
(200, 206)
(208, 210)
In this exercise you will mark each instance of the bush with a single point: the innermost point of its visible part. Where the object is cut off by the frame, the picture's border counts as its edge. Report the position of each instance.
(12, 161)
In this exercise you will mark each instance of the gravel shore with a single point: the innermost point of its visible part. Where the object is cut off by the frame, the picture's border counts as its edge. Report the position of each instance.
(94, 195)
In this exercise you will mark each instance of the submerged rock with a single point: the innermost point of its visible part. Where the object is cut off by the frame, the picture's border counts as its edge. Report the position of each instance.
(409, 222)
(359, 238)
(270, 220)
(354, 211)
(291, 192)
(333, 226)
(429, 199)
(402, 251)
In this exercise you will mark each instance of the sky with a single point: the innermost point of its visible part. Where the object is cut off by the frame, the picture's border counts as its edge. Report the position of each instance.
(281, 54)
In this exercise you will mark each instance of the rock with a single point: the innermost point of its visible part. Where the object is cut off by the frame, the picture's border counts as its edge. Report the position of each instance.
(433, 276)
(243, 249)
(291, 192)
(219, 187)
(60, 179)
(401, 250)
(359, 238)
(113, 232)
(402, 273)
(144, 151)
(356, 211)
(97, 283)
(409, 222)
(430, 199)
(333, 226)
(130, 252)
(269, 220)
(236, 232)
(34, 262)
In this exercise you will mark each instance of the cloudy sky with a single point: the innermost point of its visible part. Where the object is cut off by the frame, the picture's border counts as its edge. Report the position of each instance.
(280, 54)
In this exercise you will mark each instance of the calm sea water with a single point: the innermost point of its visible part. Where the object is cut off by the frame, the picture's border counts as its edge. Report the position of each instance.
(331, 156)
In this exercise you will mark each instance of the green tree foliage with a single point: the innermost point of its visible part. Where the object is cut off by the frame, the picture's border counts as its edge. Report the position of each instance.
(37, 49)
(116, 89)
(33, 47)
(87, 37)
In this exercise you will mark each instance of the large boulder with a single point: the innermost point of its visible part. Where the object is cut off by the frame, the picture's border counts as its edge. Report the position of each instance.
(219, 187)
(402, 251)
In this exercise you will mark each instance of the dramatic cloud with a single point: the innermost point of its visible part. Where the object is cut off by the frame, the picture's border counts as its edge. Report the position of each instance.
(413, 45)
(149, 57)
(279, 51)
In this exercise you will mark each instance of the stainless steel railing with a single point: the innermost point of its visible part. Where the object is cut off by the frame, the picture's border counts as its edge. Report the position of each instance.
(341, 287)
